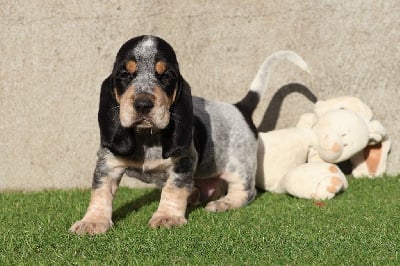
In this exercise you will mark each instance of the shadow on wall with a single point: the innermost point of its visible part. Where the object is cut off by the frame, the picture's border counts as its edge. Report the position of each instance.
(271, 115)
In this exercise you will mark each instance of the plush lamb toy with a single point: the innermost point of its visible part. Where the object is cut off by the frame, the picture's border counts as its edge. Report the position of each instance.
(302, 161)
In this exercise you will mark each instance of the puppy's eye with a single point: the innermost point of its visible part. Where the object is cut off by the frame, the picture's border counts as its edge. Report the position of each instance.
(125, 74)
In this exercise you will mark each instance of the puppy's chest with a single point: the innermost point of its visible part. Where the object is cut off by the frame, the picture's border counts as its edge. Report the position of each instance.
(149, 166)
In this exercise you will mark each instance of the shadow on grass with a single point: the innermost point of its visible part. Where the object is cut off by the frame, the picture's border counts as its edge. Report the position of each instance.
(202, 205)
(134, 205)
(260, 192)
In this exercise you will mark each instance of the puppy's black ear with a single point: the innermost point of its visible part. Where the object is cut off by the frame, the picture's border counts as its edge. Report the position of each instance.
(119, 140)
(177, 137)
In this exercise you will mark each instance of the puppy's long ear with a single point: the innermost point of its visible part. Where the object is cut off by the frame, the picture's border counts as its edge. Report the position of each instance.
(119, 140)
(177, 137)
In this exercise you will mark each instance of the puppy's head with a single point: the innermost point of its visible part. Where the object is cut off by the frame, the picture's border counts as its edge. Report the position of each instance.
(145, 82)
(146, 91)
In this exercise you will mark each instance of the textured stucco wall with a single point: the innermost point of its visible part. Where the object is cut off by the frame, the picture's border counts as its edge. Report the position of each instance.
(55, 54)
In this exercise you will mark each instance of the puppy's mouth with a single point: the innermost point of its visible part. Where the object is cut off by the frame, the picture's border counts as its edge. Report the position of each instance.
(145, 126)
(143, 123)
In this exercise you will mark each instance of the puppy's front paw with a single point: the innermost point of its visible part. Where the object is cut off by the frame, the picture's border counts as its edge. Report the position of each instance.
(165, 220)
(91, 227)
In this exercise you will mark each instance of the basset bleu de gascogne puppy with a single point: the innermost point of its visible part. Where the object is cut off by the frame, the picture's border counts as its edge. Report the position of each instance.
(152, 129)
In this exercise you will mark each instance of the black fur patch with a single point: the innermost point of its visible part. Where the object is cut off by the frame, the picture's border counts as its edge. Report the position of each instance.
(177, 137)
(117, 139)
(199, 138)
(184, 170)
(247, 106)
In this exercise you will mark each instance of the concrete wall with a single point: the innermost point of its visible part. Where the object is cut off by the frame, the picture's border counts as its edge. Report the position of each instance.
(55, 54)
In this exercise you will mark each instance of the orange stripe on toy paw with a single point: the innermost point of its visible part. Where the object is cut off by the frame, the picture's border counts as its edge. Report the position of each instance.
(331, 189)
(333, 169)
(336, 181)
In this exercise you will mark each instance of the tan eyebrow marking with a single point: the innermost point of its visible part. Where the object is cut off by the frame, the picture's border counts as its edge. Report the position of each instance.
(160, 67)
(131, 66)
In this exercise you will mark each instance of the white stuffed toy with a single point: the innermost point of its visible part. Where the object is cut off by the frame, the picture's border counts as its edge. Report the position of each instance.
(301, 161)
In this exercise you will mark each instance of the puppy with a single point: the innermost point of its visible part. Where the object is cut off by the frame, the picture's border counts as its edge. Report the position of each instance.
(152, 129)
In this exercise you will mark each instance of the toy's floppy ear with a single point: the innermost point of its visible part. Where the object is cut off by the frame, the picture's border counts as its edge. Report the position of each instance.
(177, 137)
(372, 160)
(116, 138)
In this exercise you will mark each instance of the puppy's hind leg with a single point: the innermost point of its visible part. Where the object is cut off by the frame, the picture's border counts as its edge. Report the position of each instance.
(241, 191)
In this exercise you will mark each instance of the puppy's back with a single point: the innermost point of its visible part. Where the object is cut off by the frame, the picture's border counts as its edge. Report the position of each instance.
(223, 138)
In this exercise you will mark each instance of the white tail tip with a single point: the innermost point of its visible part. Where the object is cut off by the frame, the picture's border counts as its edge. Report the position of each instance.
(260, 81)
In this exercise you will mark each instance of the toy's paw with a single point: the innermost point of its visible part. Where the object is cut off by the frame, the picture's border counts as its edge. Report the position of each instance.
(165, 220)
(330, 184)
(91, 227)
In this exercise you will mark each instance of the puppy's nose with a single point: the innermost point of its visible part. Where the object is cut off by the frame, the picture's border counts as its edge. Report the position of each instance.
(143, 105)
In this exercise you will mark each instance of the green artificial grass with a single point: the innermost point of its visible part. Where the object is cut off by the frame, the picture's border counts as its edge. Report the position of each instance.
(358, 227)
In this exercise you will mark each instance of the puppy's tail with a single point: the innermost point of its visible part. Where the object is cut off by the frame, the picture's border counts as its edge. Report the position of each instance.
(259, 84)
